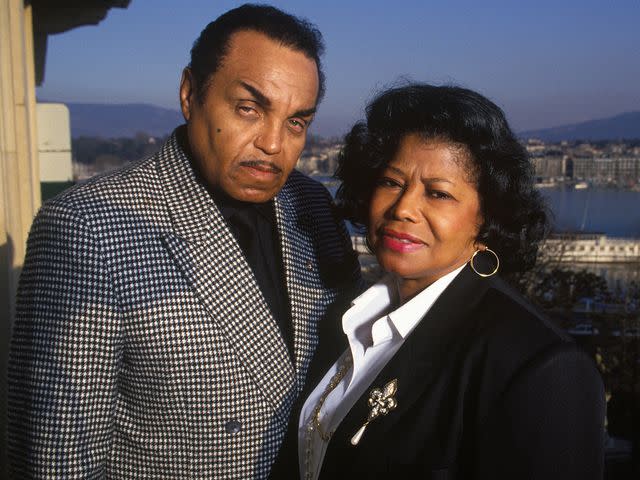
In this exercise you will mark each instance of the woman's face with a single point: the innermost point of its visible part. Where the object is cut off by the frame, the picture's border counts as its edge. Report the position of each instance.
(424, 215)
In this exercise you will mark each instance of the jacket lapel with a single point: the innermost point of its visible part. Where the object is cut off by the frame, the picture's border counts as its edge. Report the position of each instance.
(211, 260)
(304, 286)
(419, 360)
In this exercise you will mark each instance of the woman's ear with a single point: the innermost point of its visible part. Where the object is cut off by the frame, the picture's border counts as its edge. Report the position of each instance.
(479, 246)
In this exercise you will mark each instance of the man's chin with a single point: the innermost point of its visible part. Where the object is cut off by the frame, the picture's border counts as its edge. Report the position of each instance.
(254, 194)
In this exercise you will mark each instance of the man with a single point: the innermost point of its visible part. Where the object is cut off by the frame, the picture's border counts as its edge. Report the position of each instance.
(167, 313)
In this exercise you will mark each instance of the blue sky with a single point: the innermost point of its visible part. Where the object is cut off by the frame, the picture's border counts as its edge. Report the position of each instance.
(545, 63)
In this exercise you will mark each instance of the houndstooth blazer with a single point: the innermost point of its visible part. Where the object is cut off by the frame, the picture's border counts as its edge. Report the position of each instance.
(143, 347)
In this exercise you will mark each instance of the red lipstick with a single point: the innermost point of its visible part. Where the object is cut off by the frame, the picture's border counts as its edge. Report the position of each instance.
(400, 242)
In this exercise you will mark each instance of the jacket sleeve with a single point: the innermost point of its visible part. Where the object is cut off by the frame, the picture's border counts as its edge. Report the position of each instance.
(549, 423)
(64, 353)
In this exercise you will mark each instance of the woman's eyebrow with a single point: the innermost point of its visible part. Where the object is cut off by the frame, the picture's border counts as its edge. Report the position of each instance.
(436, 180)
(395, 169)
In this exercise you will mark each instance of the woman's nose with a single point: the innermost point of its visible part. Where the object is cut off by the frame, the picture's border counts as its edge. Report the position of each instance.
(407, 205)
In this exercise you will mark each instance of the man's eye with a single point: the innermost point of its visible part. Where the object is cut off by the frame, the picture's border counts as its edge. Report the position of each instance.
(246, 109)
(297, 125)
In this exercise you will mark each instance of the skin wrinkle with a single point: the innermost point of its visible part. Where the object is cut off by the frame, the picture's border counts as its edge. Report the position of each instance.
(264, 94)
(424, 192)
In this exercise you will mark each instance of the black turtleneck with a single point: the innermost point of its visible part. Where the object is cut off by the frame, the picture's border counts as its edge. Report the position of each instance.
(255, 228)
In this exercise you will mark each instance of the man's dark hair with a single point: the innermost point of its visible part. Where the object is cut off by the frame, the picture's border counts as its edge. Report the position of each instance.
(515, 216)
(210, 48)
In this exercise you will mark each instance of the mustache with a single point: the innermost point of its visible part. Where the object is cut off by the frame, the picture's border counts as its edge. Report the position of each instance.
(262, 164)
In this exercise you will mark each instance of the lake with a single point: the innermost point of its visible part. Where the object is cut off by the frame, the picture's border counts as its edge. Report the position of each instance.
(610, 211)
(613, 212)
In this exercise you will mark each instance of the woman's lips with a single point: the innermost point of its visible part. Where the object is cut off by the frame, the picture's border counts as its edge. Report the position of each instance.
(401, 242)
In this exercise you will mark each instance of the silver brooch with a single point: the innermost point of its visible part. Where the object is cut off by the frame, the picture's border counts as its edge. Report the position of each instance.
(381, 403)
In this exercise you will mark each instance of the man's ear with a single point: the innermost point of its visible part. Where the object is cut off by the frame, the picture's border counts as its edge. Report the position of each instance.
(187, 93)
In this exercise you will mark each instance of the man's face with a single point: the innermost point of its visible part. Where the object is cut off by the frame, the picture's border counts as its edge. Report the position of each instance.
(247, 131)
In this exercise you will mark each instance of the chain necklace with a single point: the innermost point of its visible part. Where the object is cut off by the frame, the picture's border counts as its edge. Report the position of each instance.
(314, 422)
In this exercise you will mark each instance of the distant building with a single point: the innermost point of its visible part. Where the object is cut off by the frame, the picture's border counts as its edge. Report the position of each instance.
(548, 167)
(567, 167)
(623, 171)
(590, 248)
(535, 146)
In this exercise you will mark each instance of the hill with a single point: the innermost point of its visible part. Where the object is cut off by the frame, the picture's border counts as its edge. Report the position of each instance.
(625, 126)
(126, 120)
(121, 120)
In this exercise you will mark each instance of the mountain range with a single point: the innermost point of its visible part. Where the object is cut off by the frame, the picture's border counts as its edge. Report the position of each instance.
(126, 120)
(121, 120)
(625, 126)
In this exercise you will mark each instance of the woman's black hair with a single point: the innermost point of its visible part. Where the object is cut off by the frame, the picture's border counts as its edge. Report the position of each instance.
(515, 216)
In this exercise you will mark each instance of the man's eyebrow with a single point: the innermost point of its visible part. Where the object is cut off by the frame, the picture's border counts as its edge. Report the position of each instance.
(266, 102)
(257, 94)
(305, 113)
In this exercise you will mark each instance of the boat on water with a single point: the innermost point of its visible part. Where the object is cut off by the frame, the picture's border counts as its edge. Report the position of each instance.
(581, 185)
(546, 184)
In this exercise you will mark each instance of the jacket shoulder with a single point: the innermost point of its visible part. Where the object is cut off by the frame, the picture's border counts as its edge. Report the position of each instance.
(515, 343)
(129, 181)
(509, 333)
(317, 216)
(300, 184)
(507, 314)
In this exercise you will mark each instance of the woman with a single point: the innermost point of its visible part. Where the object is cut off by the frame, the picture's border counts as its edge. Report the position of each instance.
(448, 373)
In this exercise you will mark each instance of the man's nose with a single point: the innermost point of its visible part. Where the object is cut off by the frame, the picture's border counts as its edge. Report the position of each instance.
(269, 139)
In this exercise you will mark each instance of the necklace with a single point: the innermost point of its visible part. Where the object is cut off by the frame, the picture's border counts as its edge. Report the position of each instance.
(314, 422)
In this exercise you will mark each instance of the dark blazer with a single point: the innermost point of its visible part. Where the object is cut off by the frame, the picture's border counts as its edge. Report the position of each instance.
(488, 388)
(143, 347)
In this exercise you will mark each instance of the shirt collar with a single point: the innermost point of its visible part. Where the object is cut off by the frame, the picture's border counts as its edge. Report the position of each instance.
(406, 317)
(369, 310)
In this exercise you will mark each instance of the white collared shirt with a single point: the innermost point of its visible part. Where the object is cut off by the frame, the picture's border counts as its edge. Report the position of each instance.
(374, 337)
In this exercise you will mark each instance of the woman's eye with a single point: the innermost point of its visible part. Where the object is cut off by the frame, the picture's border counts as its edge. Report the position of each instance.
(388, 182)
(440, 195)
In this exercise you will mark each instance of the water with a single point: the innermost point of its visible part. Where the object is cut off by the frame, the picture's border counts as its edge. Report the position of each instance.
(615, 213)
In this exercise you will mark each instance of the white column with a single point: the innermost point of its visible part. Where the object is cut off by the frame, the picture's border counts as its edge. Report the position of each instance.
(19, 170)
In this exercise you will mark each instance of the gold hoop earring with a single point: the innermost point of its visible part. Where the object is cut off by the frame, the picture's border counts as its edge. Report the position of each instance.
(473, 267)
